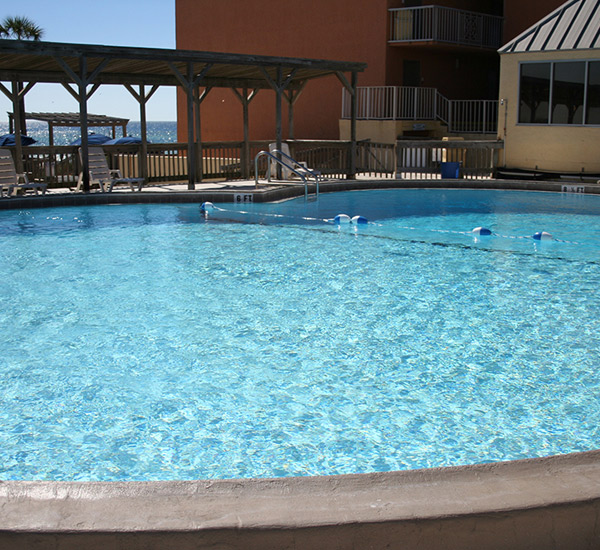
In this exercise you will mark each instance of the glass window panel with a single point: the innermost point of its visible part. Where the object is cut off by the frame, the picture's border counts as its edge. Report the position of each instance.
(593, 94)
(568, 92)
(535, 93)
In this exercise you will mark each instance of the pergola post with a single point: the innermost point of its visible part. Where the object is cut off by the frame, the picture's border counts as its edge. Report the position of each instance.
(245, 100)
(16, 89)
(198, 125)
(351, 87)
(143, 164)
(83, 79)
(353, 108)
(279, 85)
(15, 121)
(190, 128)
(189, 83)
(142, 99)
(83, 115)
(292, 96)
(278, 128)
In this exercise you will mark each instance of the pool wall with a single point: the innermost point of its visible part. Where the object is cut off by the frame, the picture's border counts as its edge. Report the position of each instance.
(545, 503)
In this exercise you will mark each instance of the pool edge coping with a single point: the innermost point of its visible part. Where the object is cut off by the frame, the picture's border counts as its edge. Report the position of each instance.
(274, 193)
(301, 502)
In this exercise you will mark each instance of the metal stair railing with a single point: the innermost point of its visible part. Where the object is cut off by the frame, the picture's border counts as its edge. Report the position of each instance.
(298, 169)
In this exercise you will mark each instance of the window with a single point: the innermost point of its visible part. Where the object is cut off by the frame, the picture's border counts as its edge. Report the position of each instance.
(567, 93)
(560, 93)
(535, 93)
(592, 114)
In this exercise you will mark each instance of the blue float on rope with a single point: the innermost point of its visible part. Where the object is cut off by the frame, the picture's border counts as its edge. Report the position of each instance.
(341, 218)
(359, 220)
(542, 236)
(207, 207)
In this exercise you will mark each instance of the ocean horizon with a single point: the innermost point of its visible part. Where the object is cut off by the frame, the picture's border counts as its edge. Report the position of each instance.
(158, 132)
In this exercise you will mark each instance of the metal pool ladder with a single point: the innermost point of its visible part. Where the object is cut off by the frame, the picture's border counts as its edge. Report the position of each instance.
(290, 164)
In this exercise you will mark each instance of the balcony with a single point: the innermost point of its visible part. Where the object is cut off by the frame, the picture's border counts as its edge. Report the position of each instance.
(409, 103)
(437, 24)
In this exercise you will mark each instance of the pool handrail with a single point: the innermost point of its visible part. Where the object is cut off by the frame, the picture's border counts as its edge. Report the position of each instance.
(272, 156)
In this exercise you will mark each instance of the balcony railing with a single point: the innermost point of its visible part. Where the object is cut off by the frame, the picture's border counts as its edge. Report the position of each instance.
(410, 103)
(449, 25)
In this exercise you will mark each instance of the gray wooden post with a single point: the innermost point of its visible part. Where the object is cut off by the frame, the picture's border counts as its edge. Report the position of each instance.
(246, 147)
(197, 122)
(189, 83)
(143, 161)
(142, 99)
(83, 118)
(353, 107)
(245, 100)
(278, 127)
(16, 87)
(190, 127)
(292, 96)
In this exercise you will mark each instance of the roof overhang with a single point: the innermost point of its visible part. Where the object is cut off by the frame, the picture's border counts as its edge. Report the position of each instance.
(51, 62)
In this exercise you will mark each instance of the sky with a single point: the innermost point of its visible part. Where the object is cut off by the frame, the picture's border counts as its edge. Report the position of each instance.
(144, 23)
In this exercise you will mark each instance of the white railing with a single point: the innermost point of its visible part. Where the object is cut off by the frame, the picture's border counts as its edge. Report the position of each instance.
(441, 24)
(413, 103)
(473, 116)
(393, 103)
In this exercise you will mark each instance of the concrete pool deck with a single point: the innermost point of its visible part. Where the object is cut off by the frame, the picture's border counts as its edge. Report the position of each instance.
(545, 503)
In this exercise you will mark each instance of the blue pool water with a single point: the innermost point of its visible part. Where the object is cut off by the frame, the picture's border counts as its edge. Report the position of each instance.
(147, 342)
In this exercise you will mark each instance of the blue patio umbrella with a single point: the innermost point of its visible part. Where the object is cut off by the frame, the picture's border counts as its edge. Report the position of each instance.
(127, 140)
(93, 139)
(9, 140)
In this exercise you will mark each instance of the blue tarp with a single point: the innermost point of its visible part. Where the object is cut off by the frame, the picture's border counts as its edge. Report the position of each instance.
(93, 139)
(127, 140)
(9, 140)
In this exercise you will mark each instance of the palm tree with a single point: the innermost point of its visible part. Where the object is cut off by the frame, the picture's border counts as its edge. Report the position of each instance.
(20, 28)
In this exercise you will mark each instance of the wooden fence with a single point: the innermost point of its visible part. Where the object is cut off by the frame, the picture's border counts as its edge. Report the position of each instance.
(60, 166)
(424, 159)
(414, 159)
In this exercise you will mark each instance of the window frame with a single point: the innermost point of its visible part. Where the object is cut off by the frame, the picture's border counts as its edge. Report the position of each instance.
(552, 64)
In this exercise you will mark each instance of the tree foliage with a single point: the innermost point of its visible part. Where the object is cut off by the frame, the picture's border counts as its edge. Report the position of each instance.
(20, 28)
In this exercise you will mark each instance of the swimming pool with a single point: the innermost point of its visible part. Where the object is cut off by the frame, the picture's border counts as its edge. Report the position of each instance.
(150, 342)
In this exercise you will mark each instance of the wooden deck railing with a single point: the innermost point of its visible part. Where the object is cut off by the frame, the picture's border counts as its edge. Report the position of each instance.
(60, 166)
(422, 159)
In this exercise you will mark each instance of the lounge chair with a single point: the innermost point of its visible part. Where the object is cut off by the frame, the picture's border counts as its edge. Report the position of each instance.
(103, 176)
(286, 173)
(11, 182)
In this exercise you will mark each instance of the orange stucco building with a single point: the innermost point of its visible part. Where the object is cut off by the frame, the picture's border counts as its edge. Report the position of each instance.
(391, 36)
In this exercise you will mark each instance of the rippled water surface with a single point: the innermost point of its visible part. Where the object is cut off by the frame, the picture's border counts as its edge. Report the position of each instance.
(152, 343)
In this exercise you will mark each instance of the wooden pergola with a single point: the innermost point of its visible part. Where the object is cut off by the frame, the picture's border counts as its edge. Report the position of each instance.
(83, 68)
(72, 120)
